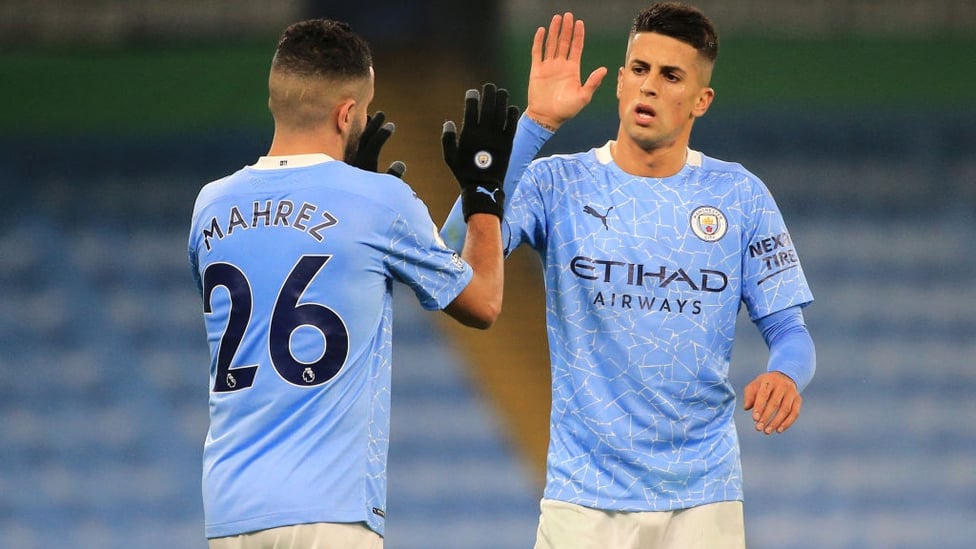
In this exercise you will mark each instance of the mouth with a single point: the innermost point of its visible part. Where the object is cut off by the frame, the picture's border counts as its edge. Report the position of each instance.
(644, 114)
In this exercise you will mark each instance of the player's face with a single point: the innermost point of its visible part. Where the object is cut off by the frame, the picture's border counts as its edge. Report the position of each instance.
(661, 89)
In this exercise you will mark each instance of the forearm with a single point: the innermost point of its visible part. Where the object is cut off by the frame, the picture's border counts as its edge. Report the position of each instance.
(529, 139)
(791, 349)
(480, 303)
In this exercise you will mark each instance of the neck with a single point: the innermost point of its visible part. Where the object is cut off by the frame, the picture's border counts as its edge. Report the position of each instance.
(287, 143)
(658, 162)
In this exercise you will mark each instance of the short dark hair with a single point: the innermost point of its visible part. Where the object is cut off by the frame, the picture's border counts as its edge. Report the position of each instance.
(322, 47)
(681, 22)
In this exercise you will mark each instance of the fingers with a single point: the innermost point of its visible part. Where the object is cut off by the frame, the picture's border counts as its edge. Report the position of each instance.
(537, 43)
(576, 48)
(500, 115)
(762, 410)
(373, 123)
(566, 36)
(505, 116)
(552, 40)
(397, 169)
(561, 38)
(449, 140)
(774, 401)
(784, 421)
(375, 133)
(779, 413)
(370, 145)
(749, 396)
(593, 82)
(384, 133)
(489, 97)
(471, 99)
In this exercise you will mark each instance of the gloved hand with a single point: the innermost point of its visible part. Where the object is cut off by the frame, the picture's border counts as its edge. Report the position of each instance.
(371, 141)
(478, 157)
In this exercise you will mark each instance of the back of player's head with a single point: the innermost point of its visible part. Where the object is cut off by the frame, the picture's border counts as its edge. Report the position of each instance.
(681, 22)
(316, 63)
(322, 47)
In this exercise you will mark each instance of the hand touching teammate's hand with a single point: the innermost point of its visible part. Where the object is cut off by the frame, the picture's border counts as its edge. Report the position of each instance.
(774, 401)
(478, 157)
(371, 141)
(555, 93)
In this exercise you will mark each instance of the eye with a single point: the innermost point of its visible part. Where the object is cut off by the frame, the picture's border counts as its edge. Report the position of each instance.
(672, 77)
(639, 69)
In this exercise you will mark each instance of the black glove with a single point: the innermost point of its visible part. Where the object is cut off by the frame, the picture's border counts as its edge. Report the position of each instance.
(371, 141)
(479, 156)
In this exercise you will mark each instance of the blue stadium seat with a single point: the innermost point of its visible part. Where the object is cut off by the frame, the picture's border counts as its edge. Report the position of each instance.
(103, 386)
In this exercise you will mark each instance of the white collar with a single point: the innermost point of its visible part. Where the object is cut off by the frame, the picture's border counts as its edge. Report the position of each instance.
(291, 161)
(603, 156)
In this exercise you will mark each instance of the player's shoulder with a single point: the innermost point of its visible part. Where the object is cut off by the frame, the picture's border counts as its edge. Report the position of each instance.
(217, 187)
(712, 164)
(381, 188)
(385, 197)
(327, 179)
(561, 163)
(581, 157)
(715, 168)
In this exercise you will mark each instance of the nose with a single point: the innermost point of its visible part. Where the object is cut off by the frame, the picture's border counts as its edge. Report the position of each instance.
(647, 87)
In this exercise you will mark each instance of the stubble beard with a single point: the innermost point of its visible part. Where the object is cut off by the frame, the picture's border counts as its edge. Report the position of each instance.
(352, 146)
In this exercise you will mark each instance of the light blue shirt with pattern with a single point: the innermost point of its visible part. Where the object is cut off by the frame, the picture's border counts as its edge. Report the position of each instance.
(296, 259)
(644, 280)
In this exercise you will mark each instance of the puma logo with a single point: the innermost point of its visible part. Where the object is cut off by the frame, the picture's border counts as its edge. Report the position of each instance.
(483, 190)
(603, 218)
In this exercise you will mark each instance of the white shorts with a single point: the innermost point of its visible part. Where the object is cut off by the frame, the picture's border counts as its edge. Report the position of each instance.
(319, 535)
(569, 526)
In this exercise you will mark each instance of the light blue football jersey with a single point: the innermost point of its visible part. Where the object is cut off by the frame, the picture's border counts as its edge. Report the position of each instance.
(644, 279)
(296, 259)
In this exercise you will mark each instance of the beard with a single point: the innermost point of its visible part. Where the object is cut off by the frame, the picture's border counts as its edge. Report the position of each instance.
(352, 147)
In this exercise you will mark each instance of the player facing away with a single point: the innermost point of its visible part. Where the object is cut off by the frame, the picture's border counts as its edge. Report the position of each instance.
(296, 257)
(648, 249)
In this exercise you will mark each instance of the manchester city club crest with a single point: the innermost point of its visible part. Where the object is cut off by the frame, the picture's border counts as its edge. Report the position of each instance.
(708, 223)
(483, 159)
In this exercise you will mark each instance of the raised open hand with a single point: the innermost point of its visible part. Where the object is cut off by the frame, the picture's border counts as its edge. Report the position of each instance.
(555, 93)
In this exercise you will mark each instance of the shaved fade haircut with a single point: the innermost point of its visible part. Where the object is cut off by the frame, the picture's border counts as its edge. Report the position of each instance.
(681, 22)
(316, 63)
(321, 47)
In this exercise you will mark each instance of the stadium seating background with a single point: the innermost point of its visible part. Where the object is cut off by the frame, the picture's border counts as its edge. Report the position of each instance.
(867, 142)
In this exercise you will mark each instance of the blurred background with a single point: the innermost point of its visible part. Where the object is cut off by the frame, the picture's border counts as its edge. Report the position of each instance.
(860, 115)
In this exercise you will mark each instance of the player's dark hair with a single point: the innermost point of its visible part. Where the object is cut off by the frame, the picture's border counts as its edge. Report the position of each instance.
(685, 23)
(322, 47)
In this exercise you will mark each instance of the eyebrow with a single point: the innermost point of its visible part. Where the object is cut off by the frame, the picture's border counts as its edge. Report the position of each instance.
(661, 68)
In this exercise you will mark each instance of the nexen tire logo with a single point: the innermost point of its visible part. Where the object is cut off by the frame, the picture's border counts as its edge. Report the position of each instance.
(636, 274)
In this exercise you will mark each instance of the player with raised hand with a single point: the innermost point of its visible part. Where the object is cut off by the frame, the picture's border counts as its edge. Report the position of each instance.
(554, 76)
(295, 257)
(649, 248)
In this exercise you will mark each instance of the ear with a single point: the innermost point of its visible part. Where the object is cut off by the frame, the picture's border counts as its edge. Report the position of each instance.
(705, 97)
(620, 80)
(345, 115)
